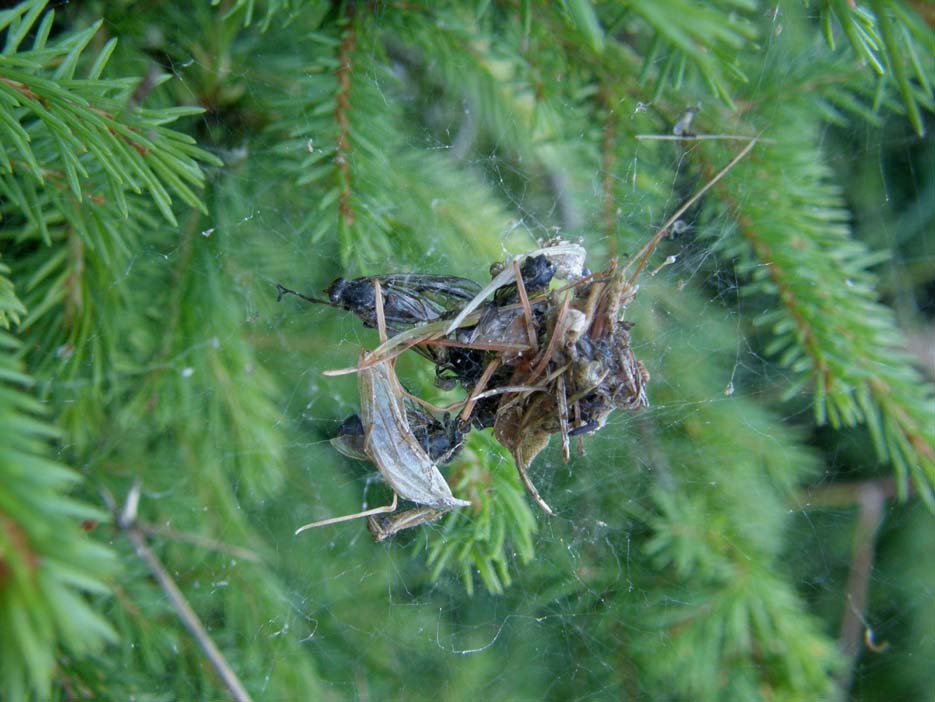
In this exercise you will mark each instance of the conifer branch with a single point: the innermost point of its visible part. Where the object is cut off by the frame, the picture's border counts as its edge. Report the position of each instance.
(681, 30)
(668, 574)
(47, 565)
(885, 37)
(66, 129)
(868, 379)
(500, 520)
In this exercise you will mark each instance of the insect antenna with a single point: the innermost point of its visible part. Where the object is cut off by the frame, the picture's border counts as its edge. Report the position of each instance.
(348, 517)
(282, 291)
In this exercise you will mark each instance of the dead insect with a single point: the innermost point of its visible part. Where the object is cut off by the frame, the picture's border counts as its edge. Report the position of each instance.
(389, 441)
(408, 300)
(587, 365)
(588, 370)
(392, 447)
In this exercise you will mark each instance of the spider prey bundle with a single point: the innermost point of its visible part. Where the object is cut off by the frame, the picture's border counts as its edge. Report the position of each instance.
(584, 371)
(535, 359)
(534, 363)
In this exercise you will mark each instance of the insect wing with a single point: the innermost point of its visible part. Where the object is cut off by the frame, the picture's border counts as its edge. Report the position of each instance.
(394, 450)
(442, 288)
(413, 299)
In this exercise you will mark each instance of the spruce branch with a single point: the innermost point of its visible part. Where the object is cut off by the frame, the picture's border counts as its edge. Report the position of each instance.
(347, 146)
(48, 565)
(78, 132)
(274, 8)
(11, 308)
(830, 329)
(885, 36)
(668, 574)
(686, 34)
(198, 364)
(478, 538)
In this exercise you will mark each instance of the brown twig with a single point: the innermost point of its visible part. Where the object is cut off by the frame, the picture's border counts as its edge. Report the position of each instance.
(608, 157)
(870, 497)
(144, 87)
(126, 521)
(196, 540)
(853, 626)
(844, 494)
(342, 108)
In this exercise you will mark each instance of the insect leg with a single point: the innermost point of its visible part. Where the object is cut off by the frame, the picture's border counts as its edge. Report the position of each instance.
(348, 517)
(527, 308)
(531, 489)
(385, 527)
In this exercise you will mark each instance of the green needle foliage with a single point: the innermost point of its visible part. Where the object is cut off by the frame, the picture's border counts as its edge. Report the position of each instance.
(163, 167)
(47, 564)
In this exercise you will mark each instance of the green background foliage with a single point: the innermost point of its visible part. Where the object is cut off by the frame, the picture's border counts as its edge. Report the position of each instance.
(163, 166)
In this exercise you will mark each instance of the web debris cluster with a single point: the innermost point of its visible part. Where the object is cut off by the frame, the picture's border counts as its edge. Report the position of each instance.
(533, 362)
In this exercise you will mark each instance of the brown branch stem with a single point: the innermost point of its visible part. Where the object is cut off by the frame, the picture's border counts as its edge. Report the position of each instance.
(126, 521)
(853, 625)
(342, 108)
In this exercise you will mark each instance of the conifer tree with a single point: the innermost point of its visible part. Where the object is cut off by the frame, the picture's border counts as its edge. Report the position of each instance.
(761, 531)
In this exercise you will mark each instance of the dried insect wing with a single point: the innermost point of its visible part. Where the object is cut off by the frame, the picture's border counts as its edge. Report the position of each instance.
(441, 439)
(394, 450)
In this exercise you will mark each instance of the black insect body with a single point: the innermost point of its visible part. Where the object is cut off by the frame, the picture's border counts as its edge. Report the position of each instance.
(456, 365)
(537, 272)
(442, 439)
(408, 300)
